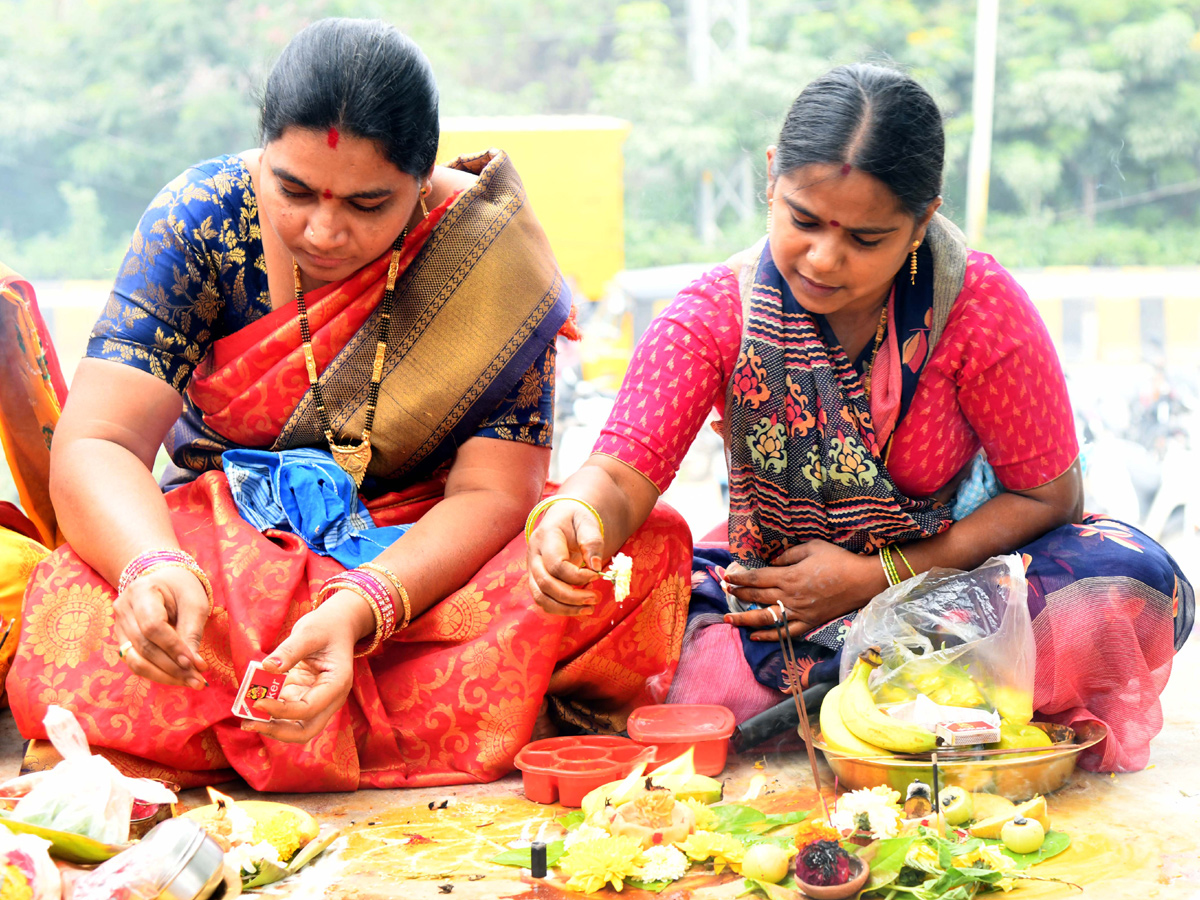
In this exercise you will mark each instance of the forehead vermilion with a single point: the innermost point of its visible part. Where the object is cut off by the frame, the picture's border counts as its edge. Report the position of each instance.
(332, 138)
(328, 195)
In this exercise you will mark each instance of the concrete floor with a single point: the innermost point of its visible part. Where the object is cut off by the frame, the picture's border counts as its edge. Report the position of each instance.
(1134, 836)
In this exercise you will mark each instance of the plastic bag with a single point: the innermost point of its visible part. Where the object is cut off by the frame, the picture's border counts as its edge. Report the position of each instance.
(959, 638)
(24, 858)
(84, 794)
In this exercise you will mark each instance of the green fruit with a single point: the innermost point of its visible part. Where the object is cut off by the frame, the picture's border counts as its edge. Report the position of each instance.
(766, 862)
(868, 723)
(1015, 736)
(1021, 835)
(957, 805)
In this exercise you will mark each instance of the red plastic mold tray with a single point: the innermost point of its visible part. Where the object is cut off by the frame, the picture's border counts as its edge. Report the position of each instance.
(564, 769)
(672, 728)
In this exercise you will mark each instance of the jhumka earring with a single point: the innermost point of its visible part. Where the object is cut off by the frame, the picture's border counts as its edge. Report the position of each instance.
(913, 268)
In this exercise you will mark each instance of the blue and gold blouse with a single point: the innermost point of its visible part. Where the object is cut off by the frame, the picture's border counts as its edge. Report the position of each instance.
(195, 272)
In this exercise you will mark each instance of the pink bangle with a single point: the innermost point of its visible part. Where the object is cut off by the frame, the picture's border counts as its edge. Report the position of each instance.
(378, 597)
(153, 560)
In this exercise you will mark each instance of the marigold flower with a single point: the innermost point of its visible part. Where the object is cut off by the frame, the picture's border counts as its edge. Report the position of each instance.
(816, 830)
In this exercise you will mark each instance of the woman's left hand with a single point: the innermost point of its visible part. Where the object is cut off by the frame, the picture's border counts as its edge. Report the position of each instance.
(318, 658)
(816, 582)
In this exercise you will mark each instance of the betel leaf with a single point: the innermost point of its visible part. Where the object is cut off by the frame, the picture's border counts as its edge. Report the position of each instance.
(891, 853)
(656, 887)
(521, 856)
(572, 819)
(734, 817)
(956, 877)
(778, 820)
(785, 890)
(1055, 843)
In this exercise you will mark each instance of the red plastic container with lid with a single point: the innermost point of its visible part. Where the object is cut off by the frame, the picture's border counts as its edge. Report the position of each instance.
(672, 728)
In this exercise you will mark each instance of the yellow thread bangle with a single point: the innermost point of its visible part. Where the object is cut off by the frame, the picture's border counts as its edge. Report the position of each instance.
(883, 561)
(904, 559)
(550, 501)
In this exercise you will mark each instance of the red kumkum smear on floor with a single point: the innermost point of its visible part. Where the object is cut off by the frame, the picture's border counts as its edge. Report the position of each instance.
(332, 138)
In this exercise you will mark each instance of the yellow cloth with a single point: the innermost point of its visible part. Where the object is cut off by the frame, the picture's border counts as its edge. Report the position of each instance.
(18, 556)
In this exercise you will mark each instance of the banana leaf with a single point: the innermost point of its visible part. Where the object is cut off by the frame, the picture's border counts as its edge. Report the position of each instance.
(66, 845)
(269, 873)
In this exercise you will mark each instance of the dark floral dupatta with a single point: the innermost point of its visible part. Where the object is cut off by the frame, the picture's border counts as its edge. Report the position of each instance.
(804, 463)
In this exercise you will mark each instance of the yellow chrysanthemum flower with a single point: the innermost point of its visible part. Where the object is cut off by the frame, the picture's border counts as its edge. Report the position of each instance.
(705, 817)
(921, 855)
(593, 864)
(14, 884)
(723, 849)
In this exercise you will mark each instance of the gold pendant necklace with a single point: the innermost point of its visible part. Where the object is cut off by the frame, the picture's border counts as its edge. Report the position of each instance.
(354, 458)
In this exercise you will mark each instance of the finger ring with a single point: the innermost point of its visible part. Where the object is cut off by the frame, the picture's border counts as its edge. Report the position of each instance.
(123, 649)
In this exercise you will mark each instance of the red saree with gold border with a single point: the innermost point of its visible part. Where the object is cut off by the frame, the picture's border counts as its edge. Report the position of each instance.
(449, 700)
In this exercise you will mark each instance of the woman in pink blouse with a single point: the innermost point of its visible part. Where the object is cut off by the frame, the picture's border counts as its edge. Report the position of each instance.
(891, 402)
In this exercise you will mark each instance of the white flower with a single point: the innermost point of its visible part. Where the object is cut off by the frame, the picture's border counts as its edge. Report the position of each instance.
(620, 573)
(248, 857)
(584, 833)
(664, 863)
(876, 811)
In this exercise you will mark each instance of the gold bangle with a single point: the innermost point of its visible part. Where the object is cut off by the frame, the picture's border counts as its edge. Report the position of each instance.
(398, 585)
(904, 559)
(192, 567)
(550, 501)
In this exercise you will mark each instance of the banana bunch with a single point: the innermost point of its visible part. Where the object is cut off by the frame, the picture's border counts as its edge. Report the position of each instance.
(867, 722)
(834, 733)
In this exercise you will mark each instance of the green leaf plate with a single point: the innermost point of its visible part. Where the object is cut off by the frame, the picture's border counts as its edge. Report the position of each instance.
(66, 845)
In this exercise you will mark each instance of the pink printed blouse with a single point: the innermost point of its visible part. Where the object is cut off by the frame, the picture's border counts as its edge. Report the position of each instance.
(994, 381)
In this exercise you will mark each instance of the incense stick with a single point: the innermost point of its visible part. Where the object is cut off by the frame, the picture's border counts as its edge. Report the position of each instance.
(789, 662)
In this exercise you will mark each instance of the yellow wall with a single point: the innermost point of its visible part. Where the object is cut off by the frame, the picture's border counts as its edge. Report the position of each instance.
(573, 173)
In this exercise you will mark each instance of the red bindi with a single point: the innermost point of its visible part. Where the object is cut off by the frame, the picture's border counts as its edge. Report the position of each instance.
(328, 195)
(834, 223)
(845, 167)
(332, 138)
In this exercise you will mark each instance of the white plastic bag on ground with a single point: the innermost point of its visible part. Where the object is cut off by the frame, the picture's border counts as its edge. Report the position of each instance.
(84, 794)
(960, 638)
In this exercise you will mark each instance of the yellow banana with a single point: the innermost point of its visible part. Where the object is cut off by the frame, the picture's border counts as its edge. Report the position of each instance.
(868, 723)
(835, 734)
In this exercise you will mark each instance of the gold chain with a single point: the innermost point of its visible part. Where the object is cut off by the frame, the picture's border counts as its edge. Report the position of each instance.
(878, 340)
(354, 458)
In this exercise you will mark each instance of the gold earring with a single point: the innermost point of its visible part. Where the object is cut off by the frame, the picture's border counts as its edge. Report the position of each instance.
(421, 197)
(913, 268)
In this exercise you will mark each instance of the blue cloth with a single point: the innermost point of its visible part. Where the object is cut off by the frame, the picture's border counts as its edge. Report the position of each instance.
(306, 493)
(980, 487)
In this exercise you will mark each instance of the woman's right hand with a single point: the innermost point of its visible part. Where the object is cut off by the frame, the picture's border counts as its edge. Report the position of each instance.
(163, 614)
(565, 557)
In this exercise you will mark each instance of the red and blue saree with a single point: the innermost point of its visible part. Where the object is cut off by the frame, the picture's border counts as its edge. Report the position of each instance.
(452, 698)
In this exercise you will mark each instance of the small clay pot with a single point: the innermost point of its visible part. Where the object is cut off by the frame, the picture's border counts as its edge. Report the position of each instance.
(859, 871)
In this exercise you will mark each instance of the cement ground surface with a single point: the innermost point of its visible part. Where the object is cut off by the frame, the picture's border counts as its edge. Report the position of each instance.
(1133, 836)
